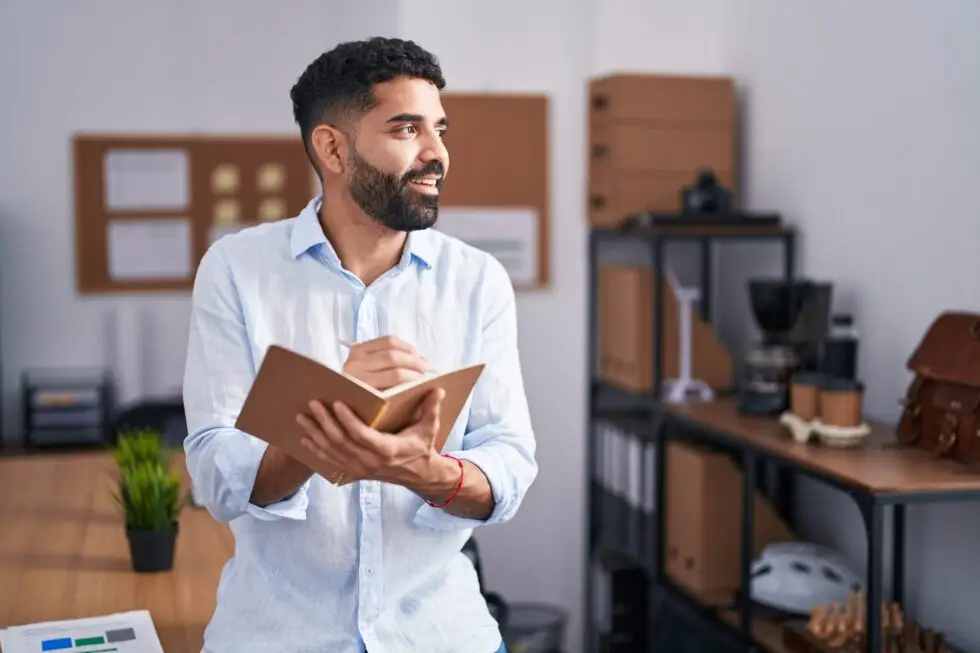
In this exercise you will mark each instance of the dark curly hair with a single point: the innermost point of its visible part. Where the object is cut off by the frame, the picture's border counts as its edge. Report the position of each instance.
(338, 86)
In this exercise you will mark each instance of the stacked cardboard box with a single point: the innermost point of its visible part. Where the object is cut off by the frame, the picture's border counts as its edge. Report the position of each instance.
(650, 135)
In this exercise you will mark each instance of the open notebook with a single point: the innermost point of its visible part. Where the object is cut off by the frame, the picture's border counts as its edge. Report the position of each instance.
(287, 381)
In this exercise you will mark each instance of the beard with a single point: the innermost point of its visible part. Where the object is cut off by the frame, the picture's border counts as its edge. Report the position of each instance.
(389, 200)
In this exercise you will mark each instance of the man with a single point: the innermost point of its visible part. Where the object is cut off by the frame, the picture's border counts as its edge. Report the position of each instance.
(375, 565)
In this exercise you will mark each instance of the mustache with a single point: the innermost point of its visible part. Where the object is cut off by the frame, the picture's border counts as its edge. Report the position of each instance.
(431, 168)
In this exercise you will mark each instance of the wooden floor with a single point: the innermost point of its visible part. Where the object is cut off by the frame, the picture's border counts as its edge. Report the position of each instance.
(63, 552)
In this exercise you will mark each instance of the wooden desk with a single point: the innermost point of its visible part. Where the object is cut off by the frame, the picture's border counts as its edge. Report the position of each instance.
(63, 552)
(878, 467)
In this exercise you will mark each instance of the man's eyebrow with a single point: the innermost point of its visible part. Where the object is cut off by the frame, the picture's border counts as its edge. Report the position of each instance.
(416, 117)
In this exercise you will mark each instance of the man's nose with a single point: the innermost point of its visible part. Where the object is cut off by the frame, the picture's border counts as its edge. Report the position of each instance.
(436, 151)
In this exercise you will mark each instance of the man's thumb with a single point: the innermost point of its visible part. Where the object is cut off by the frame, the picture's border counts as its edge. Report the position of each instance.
(433, 403)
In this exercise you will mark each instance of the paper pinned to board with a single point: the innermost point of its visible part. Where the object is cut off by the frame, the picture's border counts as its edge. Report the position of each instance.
(125, 632)
(510, 234)
(149, 249)
(147, 179)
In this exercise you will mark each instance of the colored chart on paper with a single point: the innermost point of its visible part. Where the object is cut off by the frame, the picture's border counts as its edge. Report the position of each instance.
(130, 632)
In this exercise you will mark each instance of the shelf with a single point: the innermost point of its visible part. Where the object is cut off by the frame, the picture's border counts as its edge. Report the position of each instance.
(635, 413)
(695, 231)
(610, 399)
(622, 534)
(767, 634)
(623, 526)
(722, 623)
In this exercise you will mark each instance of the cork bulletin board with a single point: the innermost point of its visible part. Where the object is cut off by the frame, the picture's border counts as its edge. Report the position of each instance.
(496, 195)
(147, 207)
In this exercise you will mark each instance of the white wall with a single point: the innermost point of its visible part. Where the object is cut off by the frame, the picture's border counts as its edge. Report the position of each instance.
(862, 128)
(660, 36)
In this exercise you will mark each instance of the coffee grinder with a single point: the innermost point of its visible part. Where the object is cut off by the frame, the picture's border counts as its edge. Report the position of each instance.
(793, 317)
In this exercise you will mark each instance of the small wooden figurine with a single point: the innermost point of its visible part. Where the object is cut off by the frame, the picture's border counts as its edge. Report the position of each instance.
(843, 629)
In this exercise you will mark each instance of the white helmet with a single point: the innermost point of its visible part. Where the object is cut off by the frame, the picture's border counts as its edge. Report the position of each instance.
(796, 577)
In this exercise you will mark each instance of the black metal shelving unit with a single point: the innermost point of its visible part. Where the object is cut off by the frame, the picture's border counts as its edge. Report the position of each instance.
(618, 534)
(64, 408)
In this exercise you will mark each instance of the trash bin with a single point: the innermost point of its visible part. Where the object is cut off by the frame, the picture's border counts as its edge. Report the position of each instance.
(535, 628)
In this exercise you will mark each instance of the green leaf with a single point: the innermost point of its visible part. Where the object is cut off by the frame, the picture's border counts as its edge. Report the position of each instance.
(149, 493)
(137, 446)
(150, 496)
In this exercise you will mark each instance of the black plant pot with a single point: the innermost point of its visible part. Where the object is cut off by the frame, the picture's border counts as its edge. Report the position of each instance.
(152, 551)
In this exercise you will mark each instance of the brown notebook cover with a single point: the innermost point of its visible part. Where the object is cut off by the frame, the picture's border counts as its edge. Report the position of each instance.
(287, 381)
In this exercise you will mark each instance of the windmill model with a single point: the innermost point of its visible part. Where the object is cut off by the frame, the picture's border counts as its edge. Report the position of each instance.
(685, 388)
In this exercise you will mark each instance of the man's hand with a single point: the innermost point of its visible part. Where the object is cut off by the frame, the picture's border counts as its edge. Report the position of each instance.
(339, 437)
(384, 362)
(408, 458)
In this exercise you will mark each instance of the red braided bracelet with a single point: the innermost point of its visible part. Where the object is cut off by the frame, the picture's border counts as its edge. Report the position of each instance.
(459, 485)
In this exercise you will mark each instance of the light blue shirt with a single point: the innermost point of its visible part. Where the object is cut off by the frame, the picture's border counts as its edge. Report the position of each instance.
(337, 569)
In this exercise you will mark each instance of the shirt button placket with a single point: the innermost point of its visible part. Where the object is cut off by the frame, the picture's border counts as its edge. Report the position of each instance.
(370, 499)
(367, 319)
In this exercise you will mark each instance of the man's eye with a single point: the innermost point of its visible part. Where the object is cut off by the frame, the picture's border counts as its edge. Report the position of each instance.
(408, 129)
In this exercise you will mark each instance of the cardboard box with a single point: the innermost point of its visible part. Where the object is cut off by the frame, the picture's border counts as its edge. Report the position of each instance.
(681, 99)
(704, 521)
(650, 135)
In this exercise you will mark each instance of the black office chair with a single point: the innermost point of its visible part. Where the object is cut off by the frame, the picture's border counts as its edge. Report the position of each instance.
(162, 415)
(495, 602)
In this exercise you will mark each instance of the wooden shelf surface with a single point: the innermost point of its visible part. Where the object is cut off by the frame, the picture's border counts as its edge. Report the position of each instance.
(878, 466)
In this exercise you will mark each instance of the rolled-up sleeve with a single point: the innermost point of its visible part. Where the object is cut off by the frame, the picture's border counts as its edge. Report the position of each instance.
(499, 438)
(221, 460)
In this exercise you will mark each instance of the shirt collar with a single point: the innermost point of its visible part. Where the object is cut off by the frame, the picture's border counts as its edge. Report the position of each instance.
(307, 234)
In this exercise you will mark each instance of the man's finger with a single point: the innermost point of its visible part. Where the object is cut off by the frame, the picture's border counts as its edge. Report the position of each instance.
(381, 344)
(320, 453)
(396, 358)
(312, 430)
(332, 430)
(362, 434)
(389, 378)
(356, 429)
(324, 419)
(314, 440)
(385, 360)
(344, 434)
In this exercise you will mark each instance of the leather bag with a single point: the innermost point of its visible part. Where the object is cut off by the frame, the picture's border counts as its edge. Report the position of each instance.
(942, 404)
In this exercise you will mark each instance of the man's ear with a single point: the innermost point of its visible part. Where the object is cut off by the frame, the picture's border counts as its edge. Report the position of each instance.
(330, 145)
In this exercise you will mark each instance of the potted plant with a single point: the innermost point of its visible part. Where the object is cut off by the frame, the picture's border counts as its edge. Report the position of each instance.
(151, 499)
(136, 446)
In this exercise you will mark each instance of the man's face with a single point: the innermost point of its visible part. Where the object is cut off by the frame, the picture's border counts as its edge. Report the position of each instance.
(398, 162)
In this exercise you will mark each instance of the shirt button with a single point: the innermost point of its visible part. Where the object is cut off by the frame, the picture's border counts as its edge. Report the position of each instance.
(369, 571)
